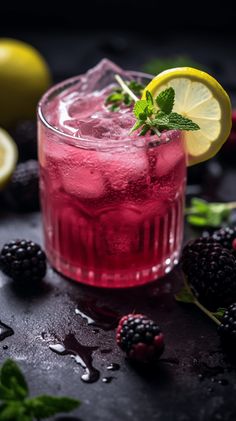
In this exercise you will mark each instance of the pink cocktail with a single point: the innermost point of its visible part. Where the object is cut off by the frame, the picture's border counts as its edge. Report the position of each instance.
(112, 202)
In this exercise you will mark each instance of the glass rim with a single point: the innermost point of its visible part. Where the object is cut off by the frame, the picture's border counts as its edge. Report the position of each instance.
(91, 141)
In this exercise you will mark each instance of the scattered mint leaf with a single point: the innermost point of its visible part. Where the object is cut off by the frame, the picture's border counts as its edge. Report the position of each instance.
(208, 214)
(165, 100)
(12, 378)
(197, 221)
(15, 404)
(13, 411)
(185, 296)
(46, 406)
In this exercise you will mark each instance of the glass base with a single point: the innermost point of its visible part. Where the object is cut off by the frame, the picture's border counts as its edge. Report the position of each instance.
(121, 279)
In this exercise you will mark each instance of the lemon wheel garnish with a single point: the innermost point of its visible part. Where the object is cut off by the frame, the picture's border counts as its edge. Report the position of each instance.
(8, 157)
(199, 97)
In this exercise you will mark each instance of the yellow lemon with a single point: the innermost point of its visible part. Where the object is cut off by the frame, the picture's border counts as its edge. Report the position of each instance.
(8, 157)
(24, 77)
(201, 98)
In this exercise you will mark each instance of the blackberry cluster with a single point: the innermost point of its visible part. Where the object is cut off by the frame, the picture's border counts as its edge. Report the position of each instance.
(23, 261)
(22, 193)
(140, 338)
(226, 237)
(211, 272)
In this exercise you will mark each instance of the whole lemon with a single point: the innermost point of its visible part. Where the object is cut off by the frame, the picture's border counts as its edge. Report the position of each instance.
(24, 77)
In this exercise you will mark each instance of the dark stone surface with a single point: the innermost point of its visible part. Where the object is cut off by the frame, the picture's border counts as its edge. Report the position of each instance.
(194, 380)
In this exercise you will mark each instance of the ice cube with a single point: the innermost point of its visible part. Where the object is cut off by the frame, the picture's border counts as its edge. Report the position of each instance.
(100, 76)
(80, 175)
(81, 107)
(124, 166)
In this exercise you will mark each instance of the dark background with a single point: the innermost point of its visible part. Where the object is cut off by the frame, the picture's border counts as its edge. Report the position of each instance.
(199, 383)
(74, 36)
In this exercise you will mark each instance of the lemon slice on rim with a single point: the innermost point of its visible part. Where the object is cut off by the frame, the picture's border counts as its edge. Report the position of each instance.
(201, 98)
(8, 157)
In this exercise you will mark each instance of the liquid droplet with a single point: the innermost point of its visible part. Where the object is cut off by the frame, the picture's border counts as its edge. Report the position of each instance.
(107, 379)
(89, 320)
(82, 354)
(5, 347)
(59, 349)
(99, 316)
(113, 367)
(5, 331)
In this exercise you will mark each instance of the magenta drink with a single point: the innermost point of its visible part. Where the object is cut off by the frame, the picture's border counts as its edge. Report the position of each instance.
(112, 201)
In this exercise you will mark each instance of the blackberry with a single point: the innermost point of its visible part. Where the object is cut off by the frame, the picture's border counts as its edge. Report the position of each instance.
(227, 328)
(25, 136)
(22, 193)
(226, 237)
(140, 338)
(211, 272)
(23, 261)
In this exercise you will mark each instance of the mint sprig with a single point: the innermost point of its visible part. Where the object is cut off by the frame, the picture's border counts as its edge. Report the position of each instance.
(155, 115)
(15, 404)
(201, 213)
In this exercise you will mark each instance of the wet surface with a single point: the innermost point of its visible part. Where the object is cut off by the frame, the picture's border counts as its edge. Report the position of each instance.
(194, 380)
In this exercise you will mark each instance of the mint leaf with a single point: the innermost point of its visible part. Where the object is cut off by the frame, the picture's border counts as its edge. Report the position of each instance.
(144, 130)
(185, 296)
(13, 403)
(165, 100)
(46, 406)
(12, 412)
(136, 87)
(204, 214)
(6, 394)
(197, 221)
(140, 108)
(178, 122)
(12, 378)
(120, 96)
(114, 97)
(149, 99)
(114, 108)
(161, 119)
